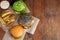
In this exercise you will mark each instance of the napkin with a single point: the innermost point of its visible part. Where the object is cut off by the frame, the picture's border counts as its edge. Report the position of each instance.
(33, 27)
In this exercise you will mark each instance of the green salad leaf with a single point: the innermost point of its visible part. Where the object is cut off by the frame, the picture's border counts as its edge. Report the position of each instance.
(19, 6)
(18, 38)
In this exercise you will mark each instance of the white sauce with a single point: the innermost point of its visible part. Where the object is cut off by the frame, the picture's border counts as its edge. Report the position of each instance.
(4, 4)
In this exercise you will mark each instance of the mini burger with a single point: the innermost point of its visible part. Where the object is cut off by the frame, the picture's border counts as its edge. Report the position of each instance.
(26, 20)
(17, 31)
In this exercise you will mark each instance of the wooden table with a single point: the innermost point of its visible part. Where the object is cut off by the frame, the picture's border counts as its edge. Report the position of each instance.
(48, 11)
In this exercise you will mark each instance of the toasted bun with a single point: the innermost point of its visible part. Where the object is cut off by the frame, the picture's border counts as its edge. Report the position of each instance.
(26, 20)
(17, 31)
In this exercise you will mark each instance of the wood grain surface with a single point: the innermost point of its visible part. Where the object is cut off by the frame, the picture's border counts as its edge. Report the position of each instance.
(48, 11)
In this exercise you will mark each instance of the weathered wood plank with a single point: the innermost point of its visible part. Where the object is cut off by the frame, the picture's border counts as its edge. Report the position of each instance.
(49, 13)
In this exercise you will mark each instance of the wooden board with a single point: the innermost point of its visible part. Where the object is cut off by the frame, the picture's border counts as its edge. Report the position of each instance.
(49, 13)
(2, 32)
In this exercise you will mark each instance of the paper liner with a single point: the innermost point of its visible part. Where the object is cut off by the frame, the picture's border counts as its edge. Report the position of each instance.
(7, 35)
